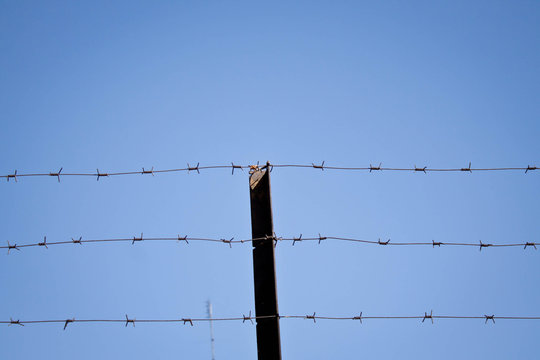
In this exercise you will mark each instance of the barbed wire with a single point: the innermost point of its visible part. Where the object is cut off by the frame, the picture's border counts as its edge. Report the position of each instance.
(249, 318)
(371, 168)
(230, 241)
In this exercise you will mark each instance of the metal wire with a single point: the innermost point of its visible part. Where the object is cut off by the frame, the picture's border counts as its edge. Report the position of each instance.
(480, 245)
(98, 174)
(249, 318)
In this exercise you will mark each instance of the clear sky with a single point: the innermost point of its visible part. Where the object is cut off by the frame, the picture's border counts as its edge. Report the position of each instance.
(129, 84)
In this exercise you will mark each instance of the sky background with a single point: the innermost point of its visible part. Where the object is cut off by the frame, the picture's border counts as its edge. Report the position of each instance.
(129, 84)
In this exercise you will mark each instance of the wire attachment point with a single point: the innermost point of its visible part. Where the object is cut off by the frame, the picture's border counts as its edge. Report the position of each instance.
(57, 174)
(426, 316)
(137, 239)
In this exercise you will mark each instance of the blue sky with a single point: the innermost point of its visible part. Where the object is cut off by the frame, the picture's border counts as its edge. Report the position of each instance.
(132, 84)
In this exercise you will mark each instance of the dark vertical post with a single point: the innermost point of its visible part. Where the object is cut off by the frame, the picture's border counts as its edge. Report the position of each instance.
(264, 272)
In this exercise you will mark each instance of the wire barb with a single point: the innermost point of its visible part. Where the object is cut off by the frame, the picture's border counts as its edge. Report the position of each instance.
(183, 239)
(73, 320)
(194, 168)
(321, 238)
(482, 245)
(10, 247)
(187, 320)
(420, 169)
(57, 174)
(375, 168)
(15, 322)
(530, 168)
(437, 243)
(99, 175)
(228, 241)
(318, 166)
(489, 317)
(312, 317)
(467, 169)
(236, 167)
(297, 239)
(359, 317)
(128, 320)
(137, 239)
(426, 316)
(151, 171)
(12, 176)
(247, 318)
(79, 241)
(383, 242)
(44, 243)
(530, 244)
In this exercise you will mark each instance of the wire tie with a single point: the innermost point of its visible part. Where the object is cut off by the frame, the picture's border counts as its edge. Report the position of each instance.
(190, 321)
(318, 166)
(57, 174)
(489, 317)
(530, 244)
(312, 317)
(228, 241)
(44, 243)
(426, 316)
(193, 168)
(359, 317)
(12, 176)
(254, 168)
(420, 169)
(151, 171)
(236, 167)
(437, 243)
(183, 239)
(482, 245)
(12, 247)
(128, 320)
(100, 174)
(297, 239)
(14, 322)
(467, 169)
(531, 168)
(69, 321)
(137, 239)
(321, 238)
(373, 168)
(247, 318)
(77, 241)
(383, 242)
